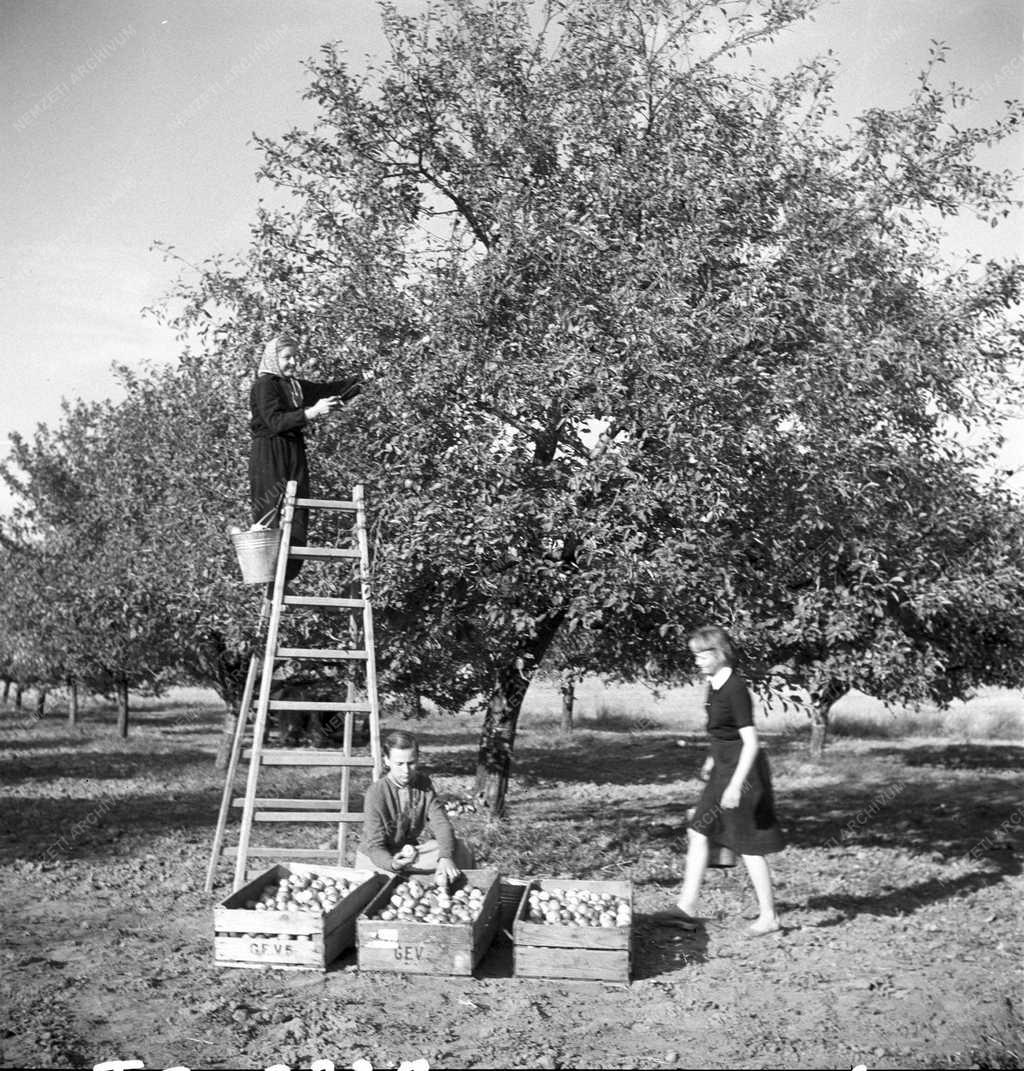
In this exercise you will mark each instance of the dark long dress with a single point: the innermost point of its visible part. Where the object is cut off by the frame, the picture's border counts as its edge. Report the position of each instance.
(278, 452)
(751, 828)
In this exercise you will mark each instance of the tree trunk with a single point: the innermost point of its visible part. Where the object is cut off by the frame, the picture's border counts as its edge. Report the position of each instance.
(40, 703)
(819, 729)
(227, 735)
(821, 704)
(568, 699)
(7, 689)
(72, 701)
(494, 760)
(497, 737)
(230, 672)
(18, 690)
(121, 695)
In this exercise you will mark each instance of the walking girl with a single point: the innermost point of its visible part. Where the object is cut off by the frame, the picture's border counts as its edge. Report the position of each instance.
(736, 808)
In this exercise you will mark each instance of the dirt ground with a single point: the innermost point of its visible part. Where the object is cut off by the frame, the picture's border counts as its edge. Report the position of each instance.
(901, 893)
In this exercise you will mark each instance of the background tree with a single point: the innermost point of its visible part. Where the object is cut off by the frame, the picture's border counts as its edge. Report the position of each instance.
(123, 569)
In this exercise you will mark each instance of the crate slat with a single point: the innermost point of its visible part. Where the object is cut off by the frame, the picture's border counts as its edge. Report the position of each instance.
(598, 964)
(266, 952)
(512, 891)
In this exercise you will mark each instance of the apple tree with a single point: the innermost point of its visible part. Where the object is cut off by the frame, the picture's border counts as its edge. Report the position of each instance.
(655, 343)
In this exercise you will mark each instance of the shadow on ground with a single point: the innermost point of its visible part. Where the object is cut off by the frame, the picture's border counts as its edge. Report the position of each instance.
(910, 898)
(101, 765)
(659, 949)
(48, 829)
(958, 756)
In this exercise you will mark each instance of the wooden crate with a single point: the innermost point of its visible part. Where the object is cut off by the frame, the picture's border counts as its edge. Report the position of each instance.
(548, 950)
(290, 940)
(512, 891)
(427, 947)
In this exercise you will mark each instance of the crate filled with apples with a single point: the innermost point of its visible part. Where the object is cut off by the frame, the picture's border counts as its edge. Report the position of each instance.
(416, 926)
(292, 916)
(574, 929)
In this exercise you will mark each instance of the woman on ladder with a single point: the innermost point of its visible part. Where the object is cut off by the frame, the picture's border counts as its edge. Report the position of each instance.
(282, 405)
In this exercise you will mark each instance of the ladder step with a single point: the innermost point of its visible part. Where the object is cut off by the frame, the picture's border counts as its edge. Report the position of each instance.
(322, 552)
(320, 600)
(333, 817)
(304, 704)
(327, 654)
(326, 503)
(324, 854)
(317, 757)
(298, 805)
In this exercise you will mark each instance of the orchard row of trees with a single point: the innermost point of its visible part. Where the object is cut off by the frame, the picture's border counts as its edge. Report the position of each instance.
(657, 341)
(116, 571)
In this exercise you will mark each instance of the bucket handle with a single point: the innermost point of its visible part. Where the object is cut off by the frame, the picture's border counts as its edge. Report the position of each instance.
(266, 521)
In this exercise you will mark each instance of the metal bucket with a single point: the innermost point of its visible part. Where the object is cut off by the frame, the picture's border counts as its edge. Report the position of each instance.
(257, 554)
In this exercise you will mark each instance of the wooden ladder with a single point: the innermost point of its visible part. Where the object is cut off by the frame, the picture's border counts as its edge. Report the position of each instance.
(329, 811)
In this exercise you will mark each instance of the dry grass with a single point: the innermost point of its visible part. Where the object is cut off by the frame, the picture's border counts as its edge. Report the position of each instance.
(994, 714)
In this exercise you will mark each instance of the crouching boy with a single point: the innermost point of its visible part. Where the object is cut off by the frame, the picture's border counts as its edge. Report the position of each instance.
(397, 810)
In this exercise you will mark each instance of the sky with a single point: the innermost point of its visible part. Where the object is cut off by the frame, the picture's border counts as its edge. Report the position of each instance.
(127, 122)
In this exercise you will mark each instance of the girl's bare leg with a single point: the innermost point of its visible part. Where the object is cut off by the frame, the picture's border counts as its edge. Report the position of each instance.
(693, 876)
(767, 920)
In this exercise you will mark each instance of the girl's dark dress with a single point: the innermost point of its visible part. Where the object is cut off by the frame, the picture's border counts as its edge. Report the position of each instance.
(278, 452)
(751, 828)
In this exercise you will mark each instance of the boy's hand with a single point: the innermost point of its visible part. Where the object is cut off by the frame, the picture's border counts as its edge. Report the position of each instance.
(405, 856)
(446, 871)
(705, 770)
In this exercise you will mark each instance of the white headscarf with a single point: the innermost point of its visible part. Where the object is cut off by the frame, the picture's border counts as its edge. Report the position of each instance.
(270, 365)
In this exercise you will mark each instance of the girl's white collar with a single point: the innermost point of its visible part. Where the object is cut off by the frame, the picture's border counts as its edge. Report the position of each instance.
(719, 677)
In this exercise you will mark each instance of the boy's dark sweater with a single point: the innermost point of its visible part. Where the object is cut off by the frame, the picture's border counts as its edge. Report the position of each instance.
(386, 828)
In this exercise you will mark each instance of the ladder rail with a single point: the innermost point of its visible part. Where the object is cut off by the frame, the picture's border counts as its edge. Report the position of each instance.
(368, 645)
(346, 774)
(244, 709)
(263, 704)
